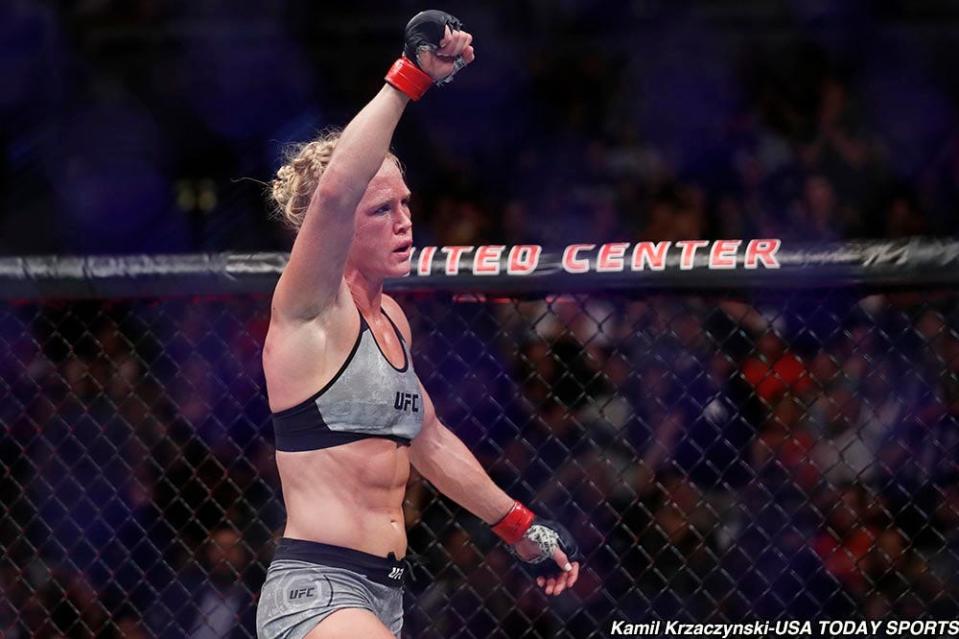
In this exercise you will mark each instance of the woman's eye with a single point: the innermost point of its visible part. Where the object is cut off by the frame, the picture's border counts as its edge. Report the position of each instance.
(383, 209)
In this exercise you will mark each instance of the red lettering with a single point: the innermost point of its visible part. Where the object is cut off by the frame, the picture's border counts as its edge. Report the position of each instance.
(486, 260)
(453, 254)
(723, 254)
(425, 263)
(762, 251)
(688, 256)
(610, 258)
(652, 254)
(523, 259)
(571, 262)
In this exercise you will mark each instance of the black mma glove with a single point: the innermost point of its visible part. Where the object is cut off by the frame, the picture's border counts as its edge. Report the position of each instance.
(425, 31)
(534, 540)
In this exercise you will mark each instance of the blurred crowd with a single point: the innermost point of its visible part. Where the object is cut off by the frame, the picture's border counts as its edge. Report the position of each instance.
(151, 127)
(790, 458)
(716, 460)
(139, 489)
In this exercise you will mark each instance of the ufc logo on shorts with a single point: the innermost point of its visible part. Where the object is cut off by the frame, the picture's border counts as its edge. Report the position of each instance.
(300, 593)
(406, 401)
(396, 573)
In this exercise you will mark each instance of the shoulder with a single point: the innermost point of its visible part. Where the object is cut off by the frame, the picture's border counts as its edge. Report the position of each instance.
(395, 311)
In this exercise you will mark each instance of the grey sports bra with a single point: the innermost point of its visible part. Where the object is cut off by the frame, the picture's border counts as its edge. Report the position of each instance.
(368, 397)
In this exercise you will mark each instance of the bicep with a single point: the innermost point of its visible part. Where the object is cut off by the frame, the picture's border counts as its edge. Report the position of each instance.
(429, 411)
(430, 436)
(313, 277)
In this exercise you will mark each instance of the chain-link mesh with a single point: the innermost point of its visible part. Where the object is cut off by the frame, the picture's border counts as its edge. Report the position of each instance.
(717, 460)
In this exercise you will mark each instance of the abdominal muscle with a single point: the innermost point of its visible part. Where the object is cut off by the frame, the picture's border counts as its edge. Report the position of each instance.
(349, 495)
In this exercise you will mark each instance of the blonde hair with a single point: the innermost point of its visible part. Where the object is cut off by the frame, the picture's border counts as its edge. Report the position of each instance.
(292, 188)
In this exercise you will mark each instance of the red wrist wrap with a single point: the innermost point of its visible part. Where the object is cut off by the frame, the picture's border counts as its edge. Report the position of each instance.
(514, 525)
(407, 77)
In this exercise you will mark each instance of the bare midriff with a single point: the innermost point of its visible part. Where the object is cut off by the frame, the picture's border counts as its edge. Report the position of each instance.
(349, 495)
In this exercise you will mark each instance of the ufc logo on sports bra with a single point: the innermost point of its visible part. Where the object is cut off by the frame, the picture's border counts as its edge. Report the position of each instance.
(396, 573)
(407, 401)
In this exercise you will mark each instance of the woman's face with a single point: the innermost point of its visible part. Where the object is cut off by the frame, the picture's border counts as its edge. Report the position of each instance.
(383, 240)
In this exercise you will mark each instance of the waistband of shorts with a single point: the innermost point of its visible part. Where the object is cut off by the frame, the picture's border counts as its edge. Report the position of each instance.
(388, 570)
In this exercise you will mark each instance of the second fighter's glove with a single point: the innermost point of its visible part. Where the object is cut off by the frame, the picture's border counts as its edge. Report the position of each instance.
(423, 34)
(535, 540)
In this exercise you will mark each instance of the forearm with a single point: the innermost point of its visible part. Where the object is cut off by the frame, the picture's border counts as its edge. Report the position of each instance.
(362, 147)
(448, 464)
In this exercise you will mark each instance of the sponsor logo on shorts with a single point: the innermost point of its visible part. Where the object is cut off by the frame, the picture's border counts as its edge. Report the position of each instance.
(396, 573)
(305, 592)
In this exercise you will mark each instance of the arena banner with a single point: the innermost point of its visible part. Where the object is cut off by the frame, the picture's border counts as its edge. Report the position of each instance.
(763, 263)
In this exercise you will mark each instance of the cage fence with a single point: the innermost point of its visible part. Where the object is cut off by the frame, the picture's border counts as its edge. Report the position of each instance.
(719, 456)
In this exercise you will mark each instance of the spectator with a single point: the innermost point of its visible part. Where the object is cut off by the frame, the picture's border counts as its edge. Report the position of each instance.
(210, 598)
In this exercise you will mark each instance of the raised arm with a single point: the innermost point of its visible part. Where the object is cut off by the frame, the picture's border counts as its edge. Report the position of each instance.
(314, 275)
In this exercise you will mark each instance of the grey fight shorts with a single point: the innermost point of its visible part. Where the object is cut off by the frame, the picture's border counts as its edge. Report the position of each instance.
(308, 581)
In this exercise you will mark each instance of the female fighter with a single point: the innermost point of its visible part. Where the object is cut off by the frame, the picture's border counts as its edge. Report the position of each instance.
(350, 414)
